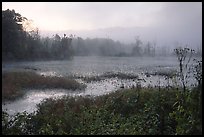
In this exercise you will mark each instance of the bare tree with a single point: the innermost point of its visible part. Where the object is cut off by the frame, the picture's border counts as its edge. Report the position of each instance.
(182, 54)
(184, 68)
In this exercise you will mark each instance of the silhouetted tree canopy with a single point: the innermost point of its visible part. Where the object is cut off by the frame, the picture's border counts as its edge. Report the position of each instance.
(18, 44)
(13, 36)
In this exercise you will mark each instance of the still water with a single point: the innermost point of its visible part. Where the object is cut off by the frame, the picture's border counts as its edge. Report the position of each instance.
(89, 66)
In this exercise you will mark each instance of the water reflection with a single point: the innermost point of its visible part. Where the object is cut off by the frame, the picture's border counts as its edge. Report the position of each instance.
(31, 99)
(91, 66)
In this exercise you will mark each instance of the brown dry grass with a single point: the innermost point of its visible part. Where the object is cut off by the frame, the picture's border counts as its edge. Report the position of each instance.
(14, 82)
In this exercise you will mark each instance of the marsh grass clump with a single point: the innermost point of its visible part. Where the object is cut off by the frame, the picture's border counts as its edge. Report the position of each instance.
(14, 82)
(120, 75)
(168, 74)
(106, 75)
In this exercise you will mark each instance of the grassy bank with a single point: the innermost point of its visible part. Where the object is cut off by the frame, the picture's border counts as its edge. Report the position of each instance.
(13, 83)
(139, 111)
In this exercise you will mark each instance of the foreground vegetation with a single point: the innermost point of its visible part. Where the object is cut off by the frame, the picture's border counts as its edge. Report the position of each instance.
(14, 83)
(146, 111)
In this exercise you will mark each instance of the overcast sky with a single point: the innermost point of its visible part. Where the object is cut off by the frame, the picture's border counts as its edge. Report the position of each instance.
(175, 21)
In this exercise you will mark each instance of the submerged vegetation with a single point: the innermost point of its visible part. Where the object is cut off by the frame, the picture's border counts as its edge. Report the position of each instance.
(168, 74)
(13, 83)
(106, 75)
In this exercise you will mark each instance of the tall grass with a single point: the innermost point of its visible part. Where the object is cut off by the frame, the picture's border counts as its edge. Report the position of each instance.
(14, 82)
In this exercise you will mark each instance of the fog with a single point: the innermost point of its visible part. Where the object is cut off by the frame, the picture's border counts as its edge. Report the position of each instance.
(171, 23)
(166, 23)
(105, 29)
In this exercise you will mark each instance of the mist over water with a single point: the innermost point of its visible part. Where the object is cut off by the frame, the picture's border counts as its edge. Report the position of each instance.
(90, 67)
(101, 45)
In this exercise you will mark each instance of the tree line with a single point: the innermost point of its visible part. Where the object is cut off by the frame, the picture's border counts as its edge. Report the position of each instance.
(21, 42)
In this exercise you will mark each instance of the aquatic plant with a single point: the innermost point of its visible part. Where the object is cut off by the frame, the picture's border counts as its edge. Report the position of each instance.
(106, 75)
(13, 83)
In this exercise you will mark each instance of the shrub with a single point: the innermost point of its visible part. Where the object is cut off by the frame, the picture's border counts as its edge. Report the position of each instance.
(149, 111)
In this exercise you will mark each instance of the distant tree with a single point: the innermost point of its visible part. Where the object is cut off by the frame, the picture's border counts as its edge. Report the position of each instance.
(154, 48)
(198, 77)
(80, 47)
(65, 48)
(147, 50)
(137, 50)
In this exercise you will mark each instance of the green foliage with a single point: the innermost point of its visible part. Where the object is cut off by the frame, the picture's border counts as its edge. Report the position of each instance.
(188, 107)
(146, 112)
(198, 71)
(189, 115)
